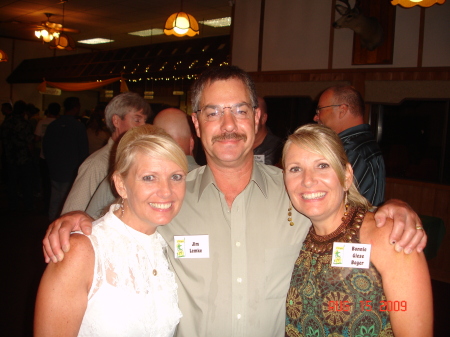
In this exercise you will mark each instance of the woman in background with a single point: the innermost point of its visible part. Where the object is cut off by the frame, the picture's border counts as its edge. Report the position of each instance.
(391, 297)
(116, 281)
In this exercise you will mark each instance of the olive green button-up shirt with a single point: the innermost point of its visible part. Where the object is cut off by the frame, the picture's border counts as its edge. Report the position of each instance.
(240, 290)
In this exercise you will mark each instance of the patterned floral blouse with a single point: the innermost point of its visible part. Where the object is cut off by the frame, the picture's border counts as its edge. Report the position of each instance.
(332, 301)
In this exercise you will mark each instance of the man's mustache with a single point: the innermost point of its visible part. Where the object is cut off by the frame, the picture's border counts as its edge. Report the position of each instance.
(231, 135)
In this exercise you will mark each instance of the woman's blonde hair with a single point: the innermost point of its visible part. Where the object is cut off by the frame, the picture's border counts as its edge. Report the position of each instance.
(151, 141)
(322, 140)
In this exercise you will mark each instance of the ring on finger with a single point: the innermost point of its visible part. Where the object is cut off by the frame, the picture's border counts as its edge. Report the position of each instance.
(419, 227)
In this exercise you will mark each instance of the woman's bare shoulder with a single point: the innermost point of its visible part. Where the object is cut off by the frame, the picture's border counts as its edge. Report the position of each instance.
(376, 236)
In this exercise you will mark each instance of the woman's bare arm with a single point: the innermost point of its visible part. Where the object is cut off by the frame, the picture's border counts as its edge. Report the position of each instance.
(406, 282)
(63, 292)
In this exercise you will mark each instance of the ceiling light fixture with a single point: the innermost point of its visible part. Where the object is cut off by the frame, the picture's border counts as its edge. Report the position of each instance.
(46, 35)
(148, 32)
(181, 24)
(97, 40)
(54, 33)
(63, 42)
(219, 22)
(412, 3)
(3, 56)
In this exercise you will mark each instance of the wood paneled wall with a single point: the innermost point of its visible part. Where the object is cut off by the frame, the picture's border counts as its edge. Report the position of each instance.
(427, 199)
(357, 77)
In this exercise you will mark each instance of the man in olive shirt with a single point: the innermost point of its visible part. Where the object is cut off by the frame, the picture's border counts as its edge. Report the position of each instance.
(241, 208)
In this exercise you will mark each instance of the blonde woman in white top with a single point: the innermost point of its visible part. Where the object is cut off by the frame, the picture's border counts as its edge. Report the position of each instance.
(117, 281)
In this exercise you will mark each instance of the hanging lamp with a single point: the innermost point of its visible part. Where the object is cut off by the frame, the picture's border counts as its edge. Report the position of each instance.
(181, 24)
(3, 56)
(63, 42)
(412, 3)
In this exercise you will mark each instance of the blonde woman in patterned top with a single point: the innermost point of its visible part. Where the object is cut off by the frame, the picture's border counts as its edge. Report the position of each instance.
(392, 296)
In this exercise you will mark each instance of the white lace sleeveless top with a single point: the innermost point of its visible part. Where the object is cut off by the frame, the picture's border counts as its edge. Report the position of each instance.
(126, 298)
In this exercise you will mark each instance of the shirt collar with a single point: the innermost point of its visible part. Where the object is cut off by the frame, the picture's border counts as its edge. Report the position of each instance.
(354, 129)
(207, 178)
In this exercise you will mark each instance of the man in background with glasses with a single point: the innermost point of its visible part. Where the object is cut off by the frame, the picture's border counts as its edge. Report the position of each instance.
(341, 108)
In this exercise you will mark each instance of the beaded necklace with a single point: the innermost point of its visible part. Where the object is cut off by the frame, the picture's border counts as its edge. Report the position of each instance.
(349, 228)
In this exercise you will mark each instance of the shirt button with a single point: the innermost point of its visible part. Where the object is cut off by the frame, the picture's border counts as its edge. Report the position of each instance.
(238, 316)
(238, 244)
(239, 280)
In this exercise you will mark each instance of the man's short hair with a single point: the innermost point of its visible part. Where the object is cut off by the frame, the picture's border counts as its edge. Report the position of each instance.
(222, 73)
(123, 104)
(346, 94)
(71, 103)
(53, 109)
(19, 107)
(7, 106)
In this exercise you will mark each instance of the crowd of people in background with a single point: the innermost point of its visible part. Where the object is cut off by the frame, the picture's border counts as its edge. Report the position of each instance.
(24, 168)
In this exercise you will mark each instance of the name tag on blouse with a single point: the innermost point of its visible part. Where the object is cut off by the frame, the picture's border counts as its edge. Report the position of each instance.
(191, 246)
(351, 255)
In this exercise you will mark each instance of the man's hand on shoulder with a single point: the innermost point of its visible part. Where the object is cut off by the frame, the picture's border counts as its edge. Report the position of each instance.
(56, 240)
(407, 233)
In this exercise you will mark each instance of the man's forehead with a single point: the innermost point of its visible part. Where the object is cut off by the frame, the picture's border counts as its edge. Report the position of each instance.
(238, 90)
(326, 96)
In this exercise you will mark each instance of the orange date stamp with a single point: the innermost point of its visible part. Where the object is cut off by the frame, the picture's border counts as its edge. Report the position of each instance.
(368, 305)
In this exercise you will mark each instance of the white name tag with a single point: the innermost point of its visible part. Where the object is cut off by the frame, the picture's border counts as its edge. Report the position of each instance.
(259, 158)
(351, 255)
(191, 246)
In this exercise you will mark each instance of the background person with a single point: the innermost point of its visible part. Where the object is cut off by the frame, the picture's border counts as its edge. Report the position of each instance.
(123, 112)
(65, 147)
(175, 123)
(267, 147)
(16, 134)
(341, 108)
(116, 281)
(392, 297)
(51, 114)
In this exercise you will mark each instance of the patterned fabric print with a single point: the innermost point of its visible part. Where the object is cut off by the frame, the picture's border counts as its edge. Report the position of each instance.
(327, 301)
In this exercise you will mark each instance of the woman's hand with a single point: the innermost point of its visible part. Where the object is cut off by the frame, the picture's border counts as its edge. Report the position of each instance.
(56, 240)
(407, 233)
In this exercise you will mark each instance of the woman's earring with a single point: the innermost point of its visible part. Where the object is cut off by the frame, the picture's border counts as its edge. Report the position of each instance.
(346, 198)
(122, 207)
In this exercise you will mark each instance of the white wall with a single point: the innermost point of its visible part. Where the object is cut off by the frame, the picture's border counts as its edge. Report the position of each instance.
(246, 34)
(297, 35)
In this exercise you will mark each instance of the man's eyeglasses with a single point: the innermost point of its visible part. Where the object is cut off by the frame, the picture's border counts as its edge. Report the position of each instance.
(328, 106)
(212, 113)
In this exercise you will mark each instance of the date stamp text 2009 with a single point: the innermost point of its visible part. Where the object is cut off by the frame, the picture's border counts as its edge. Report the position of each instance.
(368, 305)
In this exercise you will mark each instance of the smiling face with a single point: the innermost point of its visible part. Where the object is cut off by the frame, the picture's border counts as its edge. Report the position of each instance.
(153, 191)
(227, 141)
(314, 188)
